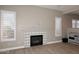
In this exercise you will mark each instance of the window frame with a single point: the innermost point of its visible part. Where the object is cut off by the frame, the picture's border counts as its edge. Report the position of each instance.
(76, 24)
(5, 40)
(56, 30)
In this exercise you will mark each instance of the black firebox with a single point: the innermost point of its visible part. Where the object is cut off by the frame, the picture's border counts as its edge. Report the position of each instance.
(36, 40)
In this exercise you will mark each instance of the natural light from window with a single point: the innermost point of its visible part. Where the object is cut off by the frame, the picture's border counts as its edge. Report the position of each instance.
(58, 26)
(8, 25)
(75, 23)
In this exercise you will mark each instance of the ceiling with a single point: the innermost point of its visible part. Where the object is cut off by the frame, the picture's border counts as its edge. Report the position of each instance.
(74, 9)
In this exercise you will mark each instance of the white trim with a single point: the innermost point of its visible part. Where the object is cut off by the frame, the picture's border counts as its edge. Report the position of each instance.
(54, 42)
(7, 49)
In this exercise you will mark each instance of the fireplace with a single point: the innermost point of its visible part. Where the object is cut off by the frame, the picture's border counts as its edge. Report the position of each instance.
(36, 40)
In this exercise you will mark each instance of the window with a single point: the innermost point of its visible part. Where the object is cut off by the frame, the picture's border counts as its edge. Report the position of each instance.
(75, 23)
(8, 25)
(58, 26)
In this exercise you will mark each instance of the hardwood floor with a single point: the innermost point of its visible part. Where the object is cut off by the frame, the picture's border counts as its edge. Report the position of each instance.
(57, 48)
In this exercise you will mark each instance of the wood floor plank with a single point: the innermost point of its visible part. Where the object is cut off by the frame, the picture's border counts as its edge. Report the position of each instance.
(57, 48)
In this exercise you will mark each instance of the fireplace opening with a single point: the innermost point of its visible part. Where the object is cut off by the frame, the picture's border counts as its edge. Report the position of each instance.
(36, 40)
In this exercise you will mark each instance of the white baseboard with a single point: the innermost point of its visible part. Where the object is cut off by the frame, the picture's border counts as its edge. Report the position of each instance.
(54, 42)
(7, 49)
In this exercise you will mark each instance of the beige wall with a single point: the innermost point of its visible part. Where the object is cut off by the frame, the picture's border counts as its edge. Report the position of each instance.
(31, 19)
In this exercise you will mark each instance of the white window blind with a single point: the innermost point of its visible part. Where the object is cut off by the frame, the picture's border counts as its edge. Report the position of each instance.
(58, 26)
(8, 25)
(75, 23)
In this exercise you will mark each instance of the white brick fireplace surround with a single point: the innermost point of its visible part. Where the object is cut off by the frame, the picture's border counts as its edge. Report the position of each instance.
(28, 34)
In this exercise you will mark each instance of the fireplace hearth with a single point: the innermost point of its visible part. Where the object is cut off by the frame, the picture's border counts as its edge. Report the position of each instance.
(36, 40)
